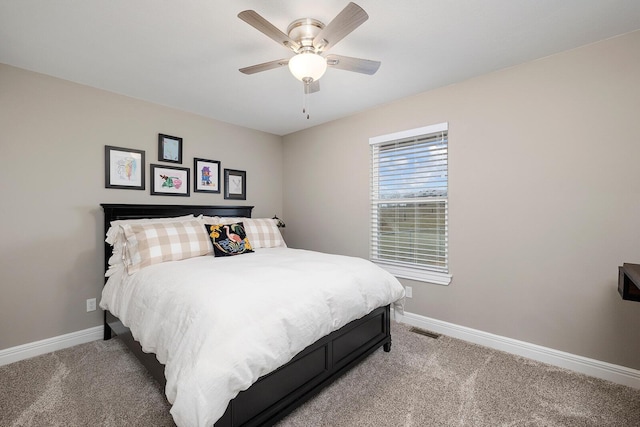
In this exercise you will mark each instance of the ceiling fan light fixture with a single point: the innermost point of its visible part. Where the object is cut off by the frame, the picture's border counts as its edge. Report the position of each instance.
(309, 39)
(307, 66)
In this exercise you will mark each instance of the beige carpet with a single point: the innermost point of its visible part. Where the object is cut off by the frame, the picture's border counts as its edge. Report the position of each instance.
(422, 382)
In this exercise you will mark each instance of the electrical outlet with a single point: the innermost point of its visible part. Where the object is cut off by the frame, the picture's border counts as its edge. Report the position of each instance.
(91, 304)
(408, 291)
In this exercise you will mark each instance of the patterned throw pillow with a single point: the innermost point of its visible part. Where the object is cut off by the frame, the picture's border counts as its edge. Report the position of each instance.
(264, 233)
(228, 239)
(148, 244)
(116, 238)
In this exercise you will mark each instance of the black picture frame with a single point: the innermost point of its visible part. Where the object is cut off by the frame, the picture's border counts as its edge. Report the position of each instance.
(169, 180)
(124, 168)
(169, 148)
(235, 184)
(203, 183)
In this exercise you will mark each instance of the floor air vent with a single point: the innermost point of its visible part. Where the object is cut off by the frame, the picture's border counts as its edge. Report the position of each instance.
(425, 333)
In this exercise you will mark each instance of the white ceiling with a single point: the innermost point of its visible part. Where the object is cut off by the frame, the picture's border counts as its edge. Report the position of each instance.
(186, 54)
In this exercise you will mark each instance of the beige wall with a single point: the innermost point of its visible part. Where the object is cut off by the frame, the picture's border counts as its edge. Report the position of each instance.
(544, 197)
(52, 138)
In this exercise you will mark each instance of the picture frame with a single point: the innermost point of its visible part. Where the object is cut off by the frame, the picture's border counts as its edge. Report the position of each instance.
(206, 175)
(124, 168)
(235, 184)
(169, 180)
(169, 148)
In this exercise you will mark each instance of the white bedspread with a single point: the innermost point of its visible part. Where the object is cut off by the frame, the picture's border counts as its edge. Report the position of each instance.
(218, 324)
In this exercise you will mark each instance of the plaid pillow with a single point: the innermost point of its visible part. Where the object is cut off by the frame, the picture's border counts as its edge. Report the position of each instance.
(263, 233)
(115, 237)
(148, 244)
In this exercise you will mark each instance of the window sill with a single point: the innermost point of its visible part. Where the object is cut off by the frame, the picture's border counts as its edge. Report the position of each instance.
(418, 274)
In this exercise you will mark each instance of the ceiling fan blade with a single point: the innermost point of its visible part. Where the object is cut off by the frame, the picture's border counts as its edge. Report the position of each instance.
(252, 18)
(364, 66)
(345, 22)
(312, 87)
(264, 66)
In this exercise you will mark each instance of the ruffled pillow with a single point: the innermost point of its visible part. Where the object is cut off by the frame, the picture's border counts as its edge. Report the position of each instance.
(115, 237)
(148, 244)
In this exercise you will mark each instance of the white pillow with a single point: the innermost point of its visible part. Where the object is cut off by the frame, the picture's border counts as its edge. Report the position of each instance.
(209, 219)
(227, 219)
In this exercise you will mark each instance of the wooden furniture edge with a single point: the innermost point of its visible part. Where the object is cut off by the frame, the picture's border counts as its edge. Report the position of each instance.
(629, 281)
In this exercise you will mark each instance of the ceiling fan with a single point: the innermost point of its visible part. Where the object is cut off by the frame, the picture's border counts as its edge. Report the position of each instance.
(310, 40)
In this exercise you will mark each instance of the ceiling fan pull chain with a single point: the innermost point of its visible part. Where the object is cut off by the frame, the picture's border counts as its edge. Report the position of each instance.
(306, 103)
(305, 99)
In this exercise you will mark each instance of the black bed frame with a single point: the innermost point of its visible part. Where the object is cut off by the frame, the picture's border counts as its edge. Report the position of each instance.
(276, 394)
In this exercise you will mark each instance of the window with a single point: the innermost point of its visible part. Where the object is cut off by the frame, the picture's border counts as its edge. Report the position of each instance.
(409, 206)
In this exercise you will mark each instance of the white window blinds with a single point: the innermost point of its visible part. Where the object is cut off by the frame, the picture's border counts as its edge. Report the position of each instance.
(409, 184)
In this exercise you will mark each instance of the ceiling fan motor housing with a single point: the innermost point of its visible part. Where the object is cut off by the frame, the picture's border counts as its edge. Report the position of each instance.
(303, 31)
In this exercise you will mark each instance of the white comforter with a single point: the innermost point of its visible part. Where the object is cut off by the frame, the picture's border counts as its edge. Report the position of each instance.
(218, 324)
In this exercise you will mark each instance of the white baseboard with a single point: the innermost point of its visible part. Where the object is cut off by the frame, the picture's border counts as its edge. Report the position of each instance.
(26, 351)
(595, 368)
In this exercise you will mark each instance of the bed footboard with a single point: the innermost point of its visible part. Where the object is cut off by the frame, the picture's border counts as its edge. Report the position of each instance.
(277, 394)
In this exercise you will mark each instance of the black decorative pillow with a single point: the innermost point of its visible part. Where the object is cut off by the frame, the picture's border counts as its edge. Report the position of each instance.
(228, 239)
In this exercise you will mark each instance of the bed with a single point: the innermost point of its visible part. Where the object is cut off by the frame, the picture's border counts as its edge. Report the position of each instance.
(274, 394)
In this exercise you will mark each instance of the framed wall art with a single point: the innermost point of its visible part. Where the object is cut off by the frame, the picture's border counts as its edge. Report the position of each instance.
(123, 168)
(206, 176)
(169, 180)
(169, 148)
(235, 184)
